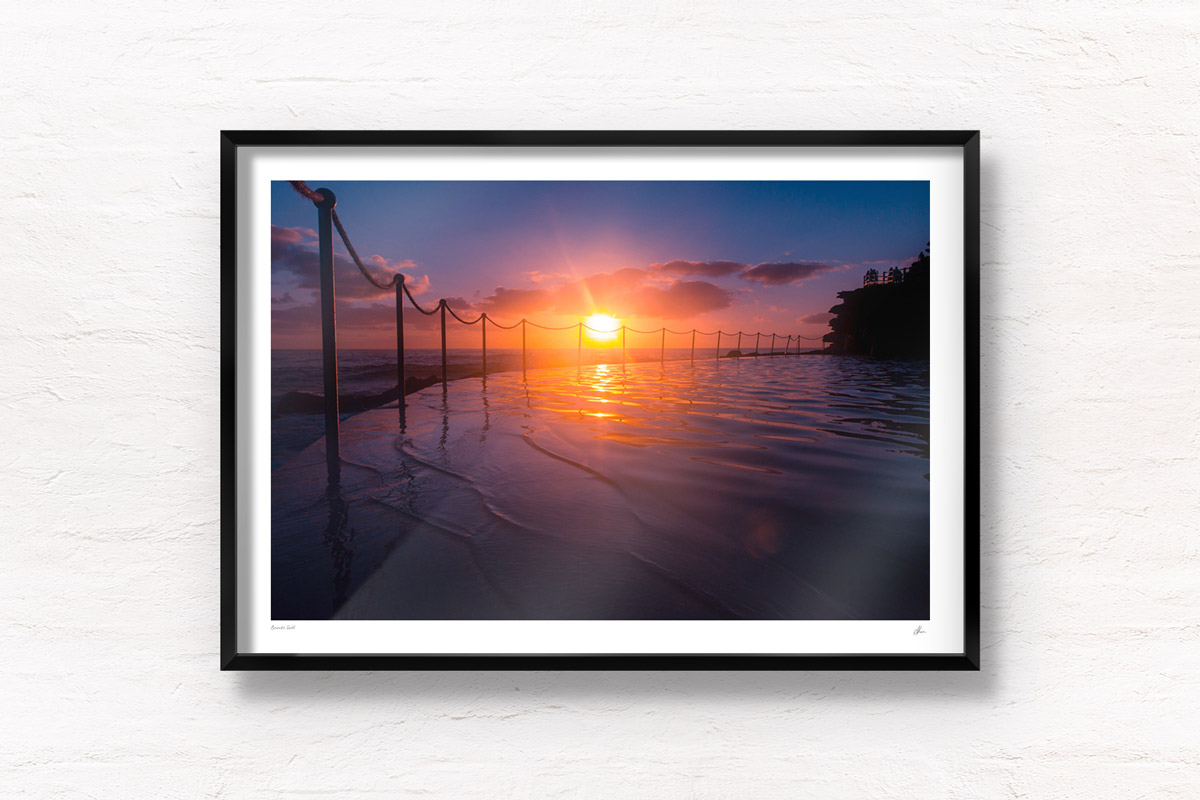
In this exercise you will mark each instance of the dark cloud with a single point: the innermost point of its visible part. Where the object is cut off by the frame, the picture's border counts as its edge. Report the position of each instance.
(818, 318)
(358, 325)
(708, 269)
(778, 273)
(681, 299)
(516, 302)
(292, 235)
(771, 273)
(626, 293)
(295, 274)
(295, 264)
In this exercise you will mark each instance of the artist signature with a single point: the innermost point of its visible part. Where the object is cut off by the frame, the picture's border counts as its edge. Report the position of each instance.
(919, 631)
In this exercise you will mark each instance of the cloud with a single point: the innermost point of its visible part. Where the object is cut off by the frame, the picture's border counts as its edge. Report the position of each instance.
(779, 273)
(627, 292)
(417, 286)
(633, 292)
(295, 265)
(770, 273)
(707, 269)
(681, 299)
(292, 235)
(516, 302)
(358, 325)
(819, 318)
(382, 264)
(536, 276)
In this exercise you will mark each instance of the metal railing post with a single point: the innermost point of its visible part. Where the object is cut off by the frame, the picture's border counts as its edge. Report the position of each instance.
(662, 348)
(522, 345)
(442, 305)
(757, 336)
(739, 347)
(400, 339)
(579, 349)
(718, 343)
(483, 328)
(329, 332)
(693, 345)
(772, 344)
(622, 345)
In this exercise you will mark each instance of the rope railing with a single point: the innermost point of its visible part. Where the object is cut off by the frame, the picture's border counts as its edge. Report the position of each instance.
(551, 327)
(413, 300)
(460, 319)
(317, 198)
(445, 308)
(506, 327)
(302, 188)
(328, 220)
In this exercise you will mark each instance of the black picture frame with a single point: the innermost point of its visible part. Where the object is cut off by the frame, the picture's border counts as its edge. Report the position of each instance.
(232, 140)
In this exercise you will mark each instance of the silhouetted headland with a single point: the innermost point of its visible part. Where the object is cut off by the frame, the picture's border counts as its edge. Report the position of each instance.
(887, 318)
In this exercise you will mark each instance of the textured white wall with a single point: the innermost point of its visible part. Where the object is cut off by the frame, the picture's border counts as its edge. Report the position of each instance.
(109, 326)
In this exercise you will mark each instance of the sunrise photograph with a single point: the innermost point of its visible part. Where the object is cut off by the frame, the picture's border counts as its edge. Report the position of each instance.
(600, 400)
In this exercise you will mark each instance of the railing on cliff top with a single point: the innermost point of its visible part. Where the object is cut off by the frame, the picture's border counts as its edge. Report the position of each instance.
(874, 277)
(327, 220)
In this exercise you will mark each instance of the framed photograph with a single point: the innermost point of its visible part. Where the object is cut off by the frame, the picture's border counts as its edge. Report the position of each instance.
(600, 400)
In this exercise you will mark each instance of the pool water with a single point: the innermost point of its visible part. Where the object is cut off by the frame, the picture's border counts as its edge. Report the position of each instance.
(786, 487)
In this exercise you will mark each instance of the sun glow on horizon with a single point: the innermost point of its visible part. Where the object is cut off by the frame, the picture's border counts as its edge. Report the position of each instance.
(601, 329)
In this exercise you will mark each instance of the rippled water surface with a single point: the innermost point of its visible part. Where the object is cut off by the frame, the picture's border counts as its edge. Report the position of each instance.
(780, 487)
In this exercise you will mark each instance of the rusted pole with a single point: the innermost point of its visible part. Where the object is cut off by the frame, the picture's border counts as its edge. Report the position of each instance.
(400, 339)
(442, 305)
(483, 329)
(522, 345)
(693, 344)
(329, 332)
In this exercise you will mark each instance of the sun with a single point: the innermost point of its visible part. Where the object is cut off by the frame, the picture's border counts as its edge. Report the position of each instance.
(601, 329)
